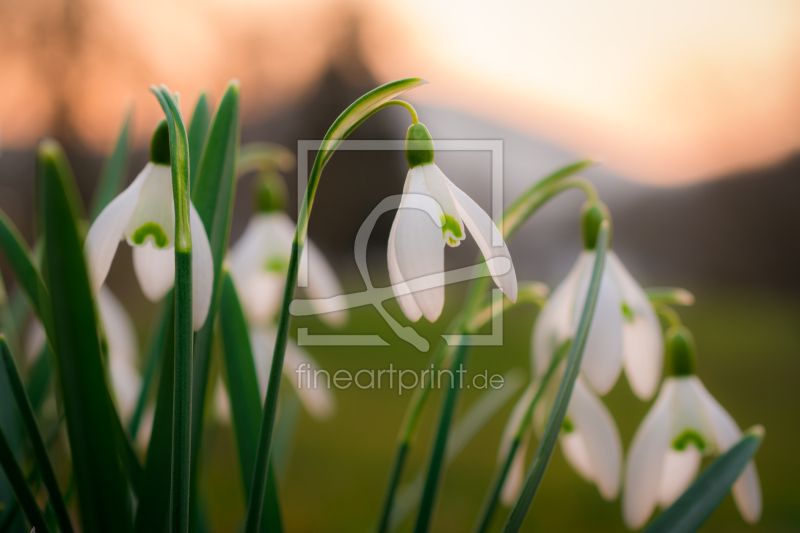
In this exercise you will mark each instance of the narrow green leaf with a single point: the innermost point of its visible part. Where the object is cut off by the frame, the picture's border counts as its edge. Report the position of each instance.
(20, 259)
(39, 377)
(692, 509)
(432, 481)
(20, 486)
(245, 398)
(477, 415)
(104, 497)
(265, 156)
(153, 510)
(548, 442)
(114, 170)
(184, 335)
(37, 443)
(213, 196)
(198, 129)
(339, 130)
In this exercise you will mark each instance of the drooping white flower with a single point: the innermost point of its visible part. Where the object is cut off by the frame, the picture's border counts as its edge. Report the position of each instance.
(314, 393)
(625, 331)
(416, 242)
(259, 262)
(121, 346)
(684, 424)
(144, 215)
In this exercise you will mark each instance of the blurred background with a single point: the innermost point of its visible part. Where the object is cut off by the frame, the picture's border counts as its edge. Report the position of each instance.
(692, 110)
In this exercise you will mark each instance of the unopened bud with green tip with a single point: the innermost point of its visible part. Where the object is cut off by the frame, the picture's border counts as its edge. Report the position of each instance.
(592, 216)
(419, 146)
(680, 351)
(270, 192)
(159, 144)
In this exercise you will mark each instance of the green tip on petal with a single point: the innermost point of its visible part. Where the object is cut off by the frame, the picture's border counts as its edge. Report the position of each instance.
(567, 426)
(592, 216)
(451, 230)
(680, 351)
(419, 146)
(159, 144)
(270, 192)
(689, 437)
(150, 229)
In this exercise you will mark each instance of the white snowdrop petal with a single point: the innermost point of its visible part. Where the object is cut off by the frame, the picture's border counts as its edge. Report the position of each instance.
(35, 338)
(437, 185)
(323, 284)
(484, 231)
(554, 323)
(406, 301)
(155, 270)
(645, 460)
(602, 357)
(317, 400)
(677, 473)
(514, 420)
(577, 454)
(153, 219)
(643, 342)
(250, 252)
(419, 246)
(747, 489)
(516, 474)
(689, 420)
(120, 332)
(109, 228)
(261, 294)
(222, 402)
(314, 394)
(126, 383)
(598, 431)
(202, 270)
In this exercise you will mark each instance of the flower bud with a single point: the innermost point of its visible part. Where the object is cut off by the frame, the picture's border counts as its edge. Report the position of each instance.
(270, 192)
(159, 144)
(592, 215)
(680, 351)
(419, 146)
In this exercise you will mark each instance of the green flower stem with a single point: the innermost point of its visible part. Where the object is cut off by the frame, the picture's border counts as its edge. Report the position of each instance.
(528, 293)
(546, 445)
(517, 213)
(350, 119)
(504, 465)
(182, 409)
(37, 443)
(668, 314)
(433, 477)
(670, 296)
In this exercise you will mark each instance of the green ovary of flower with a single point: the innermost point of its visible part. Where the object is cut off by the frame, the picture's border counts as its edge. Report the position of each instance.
(689, 437)
(278, 265)
(151, 229)
(567, 426)
(450, 225)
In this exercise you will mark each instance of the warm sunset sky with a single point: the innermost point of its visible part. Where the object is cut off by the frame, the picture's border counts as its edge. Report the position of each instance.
(666, 90)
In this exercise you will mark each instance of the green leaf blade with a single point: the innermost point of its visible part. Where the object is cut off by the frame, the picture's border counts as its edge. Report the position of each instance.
(198, 129)
(103, 491)
(20, 486)
(37, 442)
(245, 399)
(114, 170)
(700, 500)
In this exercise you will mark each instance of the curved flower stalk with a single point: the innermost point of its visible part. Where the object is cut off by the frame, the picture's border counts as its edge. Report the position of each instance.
(416, 243)
(144, 215)
(120, 345)
(684, 424)
(259, 262)
(625, 331)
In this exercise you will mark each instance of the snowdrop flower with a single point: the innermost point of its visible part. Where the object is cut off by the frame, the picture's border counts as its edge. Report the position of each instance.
(259, 262)
(144, 215)
(416, 243)
(120, 345)
(625, 330)
(298, 366)
(684, 424)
